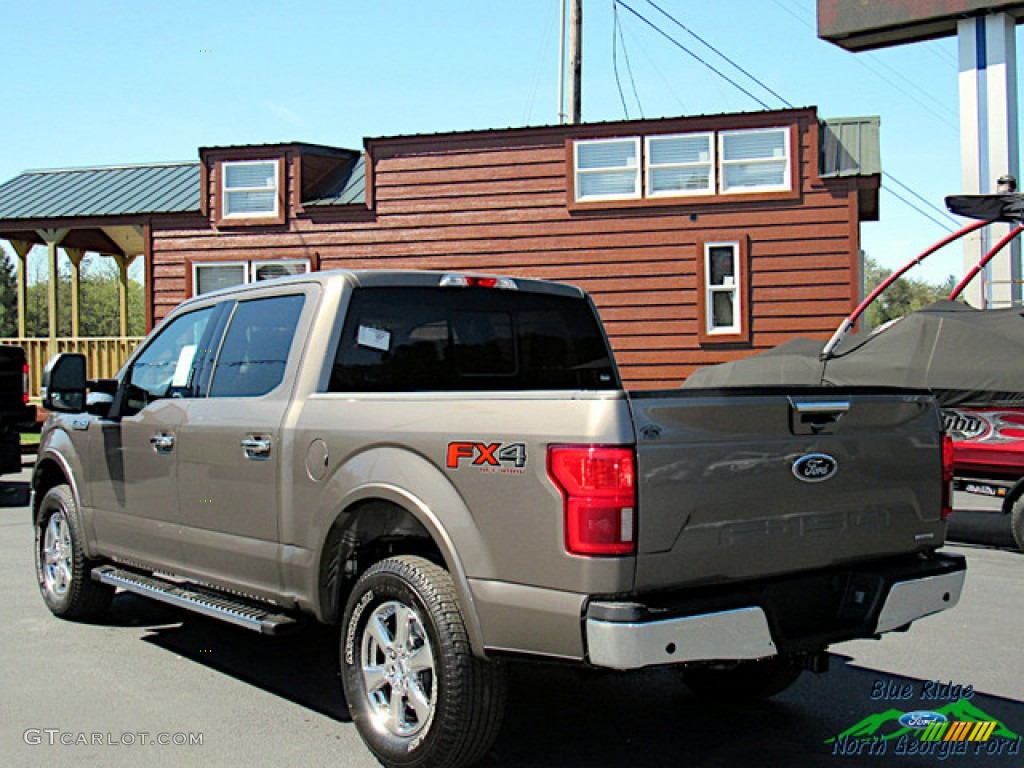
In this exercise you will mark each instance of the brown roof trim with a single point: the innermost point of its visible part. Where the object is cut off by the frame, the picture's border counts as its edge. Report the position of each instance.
(611, 128)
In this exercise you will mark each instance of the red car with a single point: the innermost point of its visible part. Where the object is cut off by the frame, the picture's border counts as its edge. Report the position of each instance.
(988, 456)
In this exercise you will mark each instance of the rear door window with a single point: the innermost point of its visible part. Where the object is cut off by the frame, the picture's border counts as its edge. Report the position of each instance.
(254, 355)
(469, 339)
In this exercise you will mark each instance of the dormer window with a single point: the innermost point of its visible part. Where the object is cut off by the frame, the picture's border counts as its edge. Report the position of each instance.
(251, 189)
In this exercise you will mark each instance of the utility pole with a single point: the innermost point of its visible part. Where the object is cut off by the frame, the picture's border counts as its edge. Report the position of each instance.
(561, 63)
(576, 61)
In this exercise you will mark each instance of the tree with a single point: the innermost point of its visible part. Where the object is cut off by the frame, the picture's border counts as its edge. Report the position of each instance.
(8, 296)
(904, 296)
(99, 302)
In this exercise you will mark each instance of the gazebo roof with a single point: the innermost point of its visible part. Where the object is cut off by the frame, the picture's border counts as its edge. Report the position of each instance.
(101, 192)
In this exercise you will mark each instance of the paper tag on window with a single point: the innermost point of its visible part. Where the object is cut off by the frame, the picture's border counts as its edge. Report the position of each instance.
(184, 366)
(373, 338)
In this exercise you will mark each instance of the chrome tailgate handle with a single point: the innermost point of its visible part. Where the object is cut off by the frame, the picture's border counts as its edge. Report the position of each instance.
(256, 447)
(162, 443)
(813, 417)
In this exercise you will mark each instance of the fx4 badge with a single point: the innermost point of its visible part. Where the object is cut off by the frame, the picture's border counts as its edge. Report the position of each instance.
(508, 458)
(815, 468)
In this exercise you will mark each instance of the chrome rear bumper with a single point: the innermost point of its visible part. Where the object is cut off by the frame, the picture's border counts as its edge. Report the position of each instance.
(626, 635)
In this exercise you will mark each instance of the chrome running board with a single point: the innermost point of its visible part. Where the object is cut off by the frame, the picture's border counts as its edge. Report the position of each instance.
(202, 600)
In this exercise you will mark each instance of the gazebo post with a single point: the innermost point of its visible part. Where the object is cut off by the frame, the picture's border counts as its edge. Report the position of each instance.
(52, 238)
(123, 262)
(22, 247)
(75, 256)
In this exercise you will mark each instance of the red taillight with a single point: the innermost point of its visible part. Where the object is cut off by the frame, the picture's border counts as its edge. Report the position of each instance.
(947, 476)
(599, 487)
(24, 384)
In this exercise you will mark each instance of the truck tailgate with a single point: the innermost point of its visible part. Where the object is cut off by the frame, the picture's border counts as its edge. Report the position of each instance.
(740, 484)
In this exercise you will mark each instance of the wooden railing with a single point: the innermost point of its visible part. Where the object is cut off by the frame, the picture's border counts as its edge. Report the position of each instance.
(104, 355)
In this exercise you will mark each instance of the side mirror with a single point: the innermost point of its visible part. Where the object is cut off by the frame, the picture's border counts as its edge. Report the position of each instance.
(64, 383)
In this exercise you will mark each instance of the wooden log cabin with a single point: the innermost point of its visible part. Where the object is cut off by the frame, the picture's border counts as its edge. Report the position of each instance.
(702, 239)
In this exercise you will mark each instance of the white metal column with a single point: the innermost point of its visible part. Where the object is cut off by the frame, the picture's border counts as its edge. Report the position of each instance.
(989, 144)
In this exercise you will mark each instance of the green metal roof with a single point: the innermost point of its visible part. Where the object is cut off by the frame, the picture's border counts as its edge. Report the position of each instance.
(346, 188)
(111, 191)
(849, 146)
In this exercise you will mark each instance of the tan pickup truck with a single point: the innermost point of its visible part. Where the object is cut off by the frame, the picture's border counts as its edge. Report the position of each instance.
(447, 468)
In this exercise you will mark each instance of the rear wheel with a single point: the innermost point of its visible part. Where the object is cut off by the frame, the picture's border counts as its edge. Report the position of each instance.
(62, 569)
(418, 696)
(743, 679)
(1017, 521)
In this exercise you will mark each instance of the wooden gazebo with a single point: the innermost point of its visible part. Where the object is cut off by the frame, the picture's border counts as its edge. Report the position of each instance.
(88, 210)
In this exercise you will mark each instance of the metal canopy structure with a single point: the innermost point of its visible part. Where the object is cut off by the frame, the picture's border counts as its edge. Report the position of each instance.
(866, 25)
(988, 98)
(80, 210)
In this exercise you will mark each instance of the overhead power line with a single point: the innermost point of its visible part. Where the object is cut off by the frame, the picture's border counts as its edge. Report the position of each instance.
(708, 45)
(617, 41)
(942, 213)
(688, 52)
(862, 60)
(909, 204)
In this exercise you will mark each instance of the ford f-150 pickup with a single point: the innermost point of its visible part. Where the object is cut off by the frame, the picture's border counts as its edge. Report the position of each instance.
(447, 468)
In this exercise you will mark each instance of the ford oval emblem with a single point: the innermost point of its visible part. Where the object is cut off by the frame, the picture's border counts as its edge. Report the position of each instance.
(921, 720)
(815, 468)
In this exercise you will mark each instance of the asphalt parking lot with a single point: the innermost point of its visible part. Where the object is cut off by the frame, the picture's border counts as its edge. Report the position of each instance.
(107, 694)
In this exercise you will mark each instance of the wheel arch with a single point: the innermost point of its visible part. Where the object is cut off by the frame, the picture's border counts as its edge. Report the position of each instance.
(51, 469)
(379, 519)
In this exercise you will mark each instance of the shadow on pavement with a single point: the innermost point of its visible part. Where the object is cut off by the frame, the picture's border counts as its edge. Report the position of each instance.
(15, 494)
(564, 716)
(990, 529)
(561, 717)
(300, 667)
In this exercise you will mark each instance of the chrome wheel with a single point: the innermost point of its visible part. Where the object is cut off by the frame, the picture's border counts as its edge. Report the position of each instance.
(397, 665)
(418, 696)
(62, 567)
(58, 554)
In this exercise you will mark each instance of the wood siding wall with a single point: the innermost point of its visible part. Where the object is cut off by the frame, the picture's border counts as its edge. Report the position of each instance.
(496, 202)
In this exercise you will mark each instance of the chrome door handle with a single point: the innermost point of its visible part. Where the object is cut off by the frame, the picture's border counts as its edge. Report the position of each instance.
(256, 447)
(162, 443)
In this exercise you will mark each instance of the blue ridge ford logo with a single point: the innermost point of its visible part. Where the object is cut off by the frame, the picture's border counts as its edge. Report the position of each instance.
(815, 468)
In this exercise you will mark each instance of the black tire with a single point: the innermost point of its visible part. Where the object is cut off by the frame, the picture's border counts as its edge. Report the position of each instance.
(742, 680)
(449, 704)
(62, 569)
(1017, 522)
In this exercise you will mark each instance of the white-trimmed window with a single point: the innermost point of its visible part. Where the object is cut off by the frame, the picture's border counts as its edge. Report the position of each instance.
(250, 189)
(267, 270)
(722, 300)
(217, 275)
(680, 164)
(214, 275)
(754, 160)
(607, 169)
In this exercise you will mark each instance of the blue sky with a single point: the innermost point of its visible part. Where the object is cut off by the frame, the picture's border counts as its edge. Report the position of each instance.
(127, 82)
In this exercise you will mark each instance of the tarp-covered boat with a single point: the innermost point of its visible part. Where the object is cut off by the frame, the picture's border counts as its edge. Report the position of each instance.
(966, 356)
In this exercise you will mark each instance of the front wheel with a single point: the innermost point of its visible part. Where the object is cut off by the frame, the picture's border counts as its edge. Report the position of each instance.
(744, 679)
(62, 569)
(417, 695)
